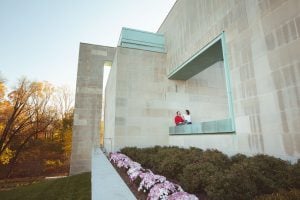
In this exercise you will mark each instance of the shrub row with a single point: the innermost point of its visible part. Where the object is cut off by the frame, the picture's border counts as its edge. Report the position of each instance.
(215, 174)
(281, 195)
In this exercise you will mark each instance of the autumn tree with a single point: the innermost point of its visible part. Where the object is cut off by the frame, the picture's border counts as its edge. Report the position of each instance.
(64, 104)
(63, 99)
(26, 115)
(4, 104)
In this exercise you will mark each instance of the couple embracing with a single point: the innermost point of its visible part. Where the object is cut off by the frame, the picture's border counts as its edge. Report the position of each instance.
(185, 119)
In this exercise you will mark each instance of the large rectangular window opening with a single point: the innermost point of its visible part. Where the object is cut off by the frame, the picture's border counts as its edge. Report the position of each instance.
(207, 83)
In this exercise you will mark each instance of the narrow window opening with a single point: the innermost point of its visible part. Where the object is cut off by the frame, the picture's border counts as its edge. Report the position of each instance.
(106, 70)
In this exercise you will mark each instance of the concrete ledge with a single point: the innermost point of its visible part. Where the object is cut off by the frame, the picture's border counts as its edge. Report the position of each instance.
(211, 127)
(106, 182)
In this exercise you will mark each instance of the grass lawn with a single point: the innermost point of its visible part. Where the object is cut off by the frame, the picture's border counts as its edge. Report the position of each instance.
(73, 187)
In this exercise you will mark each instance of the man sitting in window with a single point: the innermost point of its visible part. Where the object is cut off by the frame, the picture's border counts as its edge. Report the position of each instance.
(178, 119)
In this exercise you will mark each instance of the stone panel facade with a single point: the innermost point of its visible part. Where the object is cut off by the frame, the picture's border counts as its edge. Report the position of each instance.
(262, 44)
(88, 104)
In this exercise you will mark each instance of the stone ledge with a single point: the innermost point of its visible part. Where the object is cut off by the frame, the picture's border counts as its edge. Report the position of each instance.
(106, 182)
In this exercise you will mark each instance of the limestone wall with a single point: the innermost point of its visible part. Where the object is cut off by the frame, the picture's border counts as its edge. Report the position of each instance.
(206, 96)
(88, 104)
(141, 101)
(263, 45)
(140, 115)
(110, 107)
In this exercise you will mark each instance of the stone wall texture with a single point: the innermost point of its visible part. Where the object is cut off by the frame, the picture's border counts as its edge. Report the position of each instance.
(263, 45)
(262, 42)
(141, 101)
(88, 104)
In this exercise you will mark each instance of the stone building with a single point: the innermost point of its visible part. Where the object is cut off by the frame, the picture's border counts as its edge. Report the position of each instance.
(234, 64)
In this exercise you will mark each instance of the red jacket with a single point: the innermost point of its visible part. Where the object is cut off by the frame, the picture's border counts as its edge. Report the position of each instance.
(178, 119)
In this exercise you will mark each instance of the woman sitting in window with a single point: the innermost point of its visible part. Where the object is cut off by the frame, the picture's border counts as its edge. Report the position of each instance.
(187, 117)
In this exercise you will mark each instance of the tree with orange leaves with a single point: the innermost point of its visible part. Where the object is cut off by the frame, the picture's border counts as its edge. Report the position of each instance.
(26, 114)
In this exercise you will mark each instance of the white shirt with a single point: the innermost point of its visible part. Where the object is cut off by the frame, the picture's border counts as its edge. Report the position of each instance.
(187, 117)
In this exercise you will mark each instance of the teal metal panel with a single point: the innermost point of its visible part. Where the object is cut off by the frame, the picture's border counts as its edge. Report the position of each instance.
(201, 62)
(205, 57)
(210, 127)
(137, 39)
(228, 81)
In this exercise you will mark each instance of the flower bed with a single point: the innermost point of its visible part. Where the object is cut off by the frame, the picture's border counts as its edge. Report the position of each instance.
(157, 187)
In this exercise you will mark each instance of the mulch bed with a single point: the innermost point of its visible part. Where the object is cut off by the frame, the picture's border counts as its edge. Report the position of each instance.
(133, 186)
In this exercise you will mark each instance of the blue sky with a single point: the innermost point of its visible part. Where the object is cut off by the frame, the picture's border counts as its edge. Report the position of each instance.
(40, 39)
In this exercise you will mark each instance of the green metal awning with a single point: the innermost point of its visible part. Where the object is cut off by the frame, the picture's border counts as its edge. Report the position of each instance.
(204, 58)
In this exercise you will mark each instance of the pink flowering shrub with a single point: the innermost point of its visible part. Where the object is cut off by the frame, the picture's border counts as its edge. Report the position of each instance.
(134, 171)
(120, 160)
(157, 186)
(182, 196)
(163, 190)
(149, 179)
